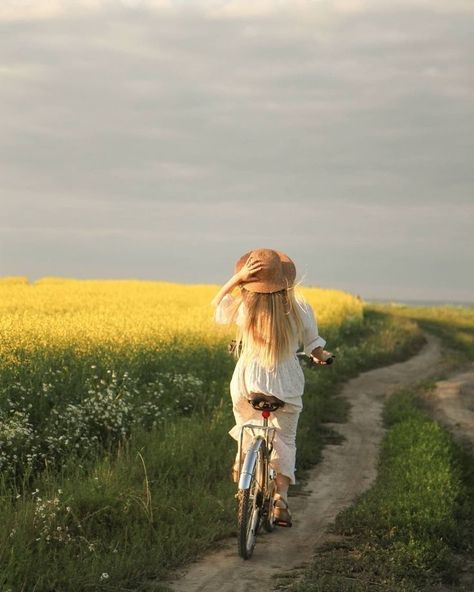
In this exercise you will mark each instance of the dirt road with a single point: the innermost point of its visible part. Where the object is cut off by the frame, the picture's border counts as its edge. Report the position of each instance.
(452, 403)
(345, 471)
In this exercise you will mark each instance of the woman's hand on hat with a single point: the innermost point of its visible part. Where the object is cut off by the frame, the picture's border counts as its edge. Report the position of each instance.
(245, 275)
(249, 269)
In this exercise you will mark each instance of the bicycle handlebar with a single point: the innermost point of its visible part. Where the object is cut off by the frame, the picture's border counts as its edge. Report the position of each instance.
(313, 361)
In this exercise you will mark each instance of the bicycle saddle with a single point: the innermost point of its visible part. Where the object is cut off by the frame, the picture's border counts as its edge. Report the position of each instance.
(262, 402)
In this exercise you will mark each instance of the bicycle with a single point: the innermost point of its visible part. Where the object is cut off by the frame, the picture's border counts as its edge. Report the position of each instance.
(257, 479)
(257, 484)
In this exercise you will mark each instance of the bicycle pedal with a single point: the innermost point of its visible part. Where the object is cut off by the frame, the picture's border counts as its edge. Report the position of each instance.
(283, 524)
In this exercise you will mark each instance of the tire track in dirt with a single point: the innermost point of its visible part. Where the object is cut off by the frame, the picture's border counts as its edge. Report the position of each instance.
(452, 404)
(345, 471)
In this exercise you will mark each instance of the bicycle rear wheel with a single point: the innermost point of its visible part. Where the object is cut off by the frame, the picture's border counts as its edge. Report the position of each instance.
(250, 506)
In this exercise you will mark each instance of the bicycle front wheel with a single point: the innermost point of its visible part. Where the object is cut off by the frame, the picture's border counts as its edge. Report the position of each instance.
(250, 506)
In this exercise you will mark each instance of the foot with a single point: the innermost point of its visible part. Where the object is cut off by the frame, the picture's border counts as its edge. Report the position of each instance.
(281, 512)
(235, 472)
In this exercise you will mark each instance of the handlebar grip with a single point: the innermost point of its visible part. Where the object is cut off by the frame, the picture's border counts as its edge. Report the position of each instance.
(328, 361)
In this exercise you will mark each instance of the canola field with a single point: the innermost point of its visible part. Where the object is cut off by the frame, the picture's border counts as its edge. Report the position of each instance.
(84, 314)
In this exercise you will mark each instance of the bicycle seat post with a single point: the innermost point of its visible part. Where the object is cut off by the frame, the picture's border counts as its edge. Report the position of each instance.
(265, 415)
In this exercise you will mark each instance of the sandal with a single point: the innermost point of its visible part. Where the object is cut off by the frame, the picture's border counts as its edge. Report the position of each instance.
(281, 513)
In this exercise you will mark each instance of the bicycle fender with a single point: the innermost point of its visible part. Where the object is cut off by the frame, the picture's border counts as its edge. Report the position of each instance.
(249, 463)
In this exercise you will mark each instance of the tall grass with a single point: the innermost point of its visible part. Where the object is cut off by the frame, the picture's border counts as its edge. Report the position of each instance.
(121, 517)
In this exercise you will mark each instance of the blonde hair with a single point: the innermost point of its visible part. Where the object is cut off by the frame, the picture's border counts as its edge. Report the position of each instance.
(271, 323)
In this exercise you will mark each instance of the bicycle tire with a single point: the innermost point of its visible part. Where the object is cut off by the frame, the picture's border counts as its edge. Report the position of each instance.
(250, 507)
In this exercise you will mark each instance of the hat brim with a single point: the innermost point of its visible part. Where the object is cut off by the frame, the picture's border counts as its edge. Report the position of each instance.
(265, 287)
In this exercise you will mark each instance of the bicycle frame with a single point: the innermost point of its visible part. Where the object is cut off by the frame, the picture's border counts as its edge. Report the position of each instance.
(251, 454)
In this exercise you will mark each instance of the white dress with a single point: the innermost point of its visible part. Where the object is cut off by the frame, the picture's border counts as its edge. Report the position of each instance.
(285, 381)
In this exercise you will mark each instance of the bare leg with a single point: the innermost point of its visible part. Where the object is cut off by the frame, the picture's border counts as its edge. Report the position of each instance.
(282, 483)
(282, 513)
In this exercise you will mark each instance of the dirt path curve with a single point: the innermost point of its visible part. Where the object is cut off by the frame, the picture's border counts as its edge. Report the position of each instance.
(452, 403)
(345, 471)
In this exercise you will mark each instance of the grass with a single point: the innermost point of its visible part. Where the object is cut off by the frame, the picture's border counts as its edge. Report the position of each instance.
(121, 521)
(453, 324)
(412, 531)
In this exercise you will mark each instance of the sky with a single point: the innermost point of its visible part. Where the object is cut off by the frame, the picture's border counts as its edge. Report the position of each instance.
(162, 139)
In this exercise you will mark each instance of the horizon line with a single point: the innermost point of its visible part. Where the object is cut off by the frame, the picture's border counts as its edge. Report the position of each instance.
(368, 299)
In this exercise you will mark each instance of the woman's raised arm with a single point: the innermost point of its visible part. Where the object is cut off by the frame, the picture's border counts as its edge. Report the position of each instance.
(245, 275)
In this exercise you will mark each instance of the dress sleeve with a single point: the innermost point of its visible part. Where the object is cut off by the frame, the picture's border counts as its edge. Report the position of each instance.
(224, 310)
(312, 338)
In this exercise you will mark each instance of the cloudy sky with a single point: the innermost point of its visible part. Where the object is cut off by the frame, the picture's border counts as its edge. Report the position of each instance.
(161, 139)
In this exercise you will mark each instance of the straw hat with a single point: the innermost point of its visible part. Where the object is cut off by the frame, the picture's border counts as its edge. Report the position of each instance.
(278, 271)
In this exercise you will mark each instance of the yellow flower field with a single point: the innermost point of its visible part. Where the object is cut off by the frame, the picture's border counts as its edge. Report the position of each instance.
(56, 312)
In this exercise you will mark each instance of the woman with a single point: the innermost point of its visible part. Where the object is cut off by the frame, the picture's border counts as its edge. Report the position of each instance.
(272, 323)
